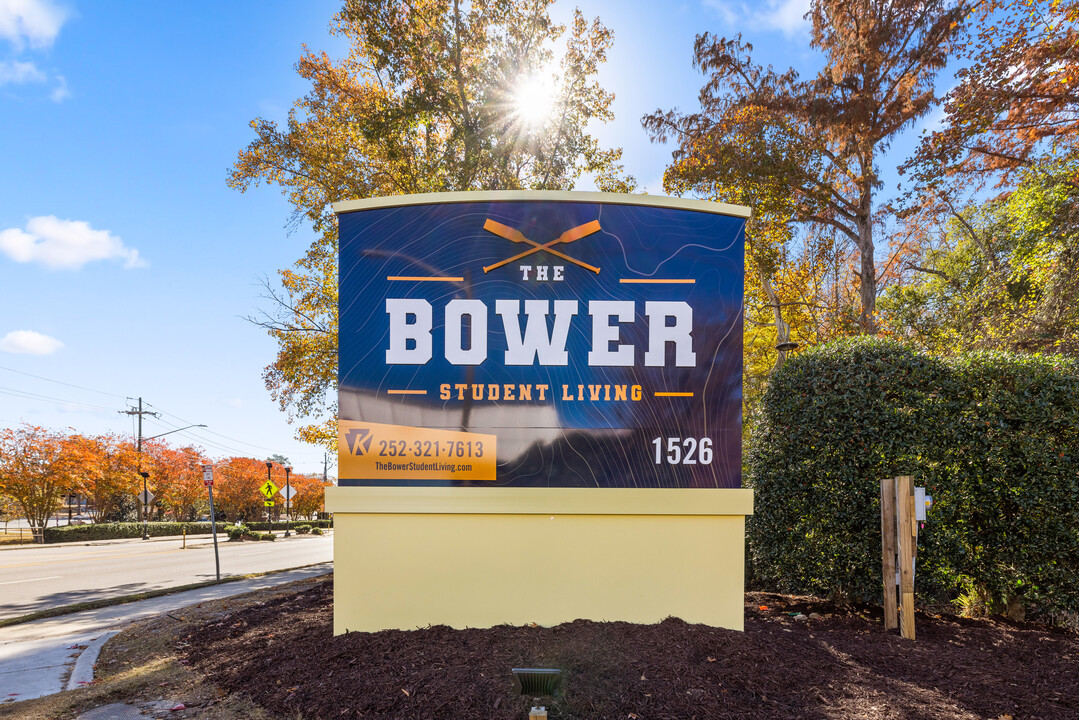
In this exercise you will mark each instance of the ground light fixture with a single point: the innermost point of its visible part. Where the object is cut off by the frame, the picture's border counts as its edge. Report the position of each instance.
(537, 683)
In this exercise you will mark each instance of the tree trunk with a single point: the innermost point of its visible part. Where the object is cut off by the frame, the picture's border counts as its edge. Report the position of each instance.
(783, 330)
(867, 276)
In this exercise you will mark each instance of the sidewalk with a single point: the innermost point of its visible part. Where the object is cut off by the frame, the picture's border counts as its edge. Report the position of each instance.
(36, 658)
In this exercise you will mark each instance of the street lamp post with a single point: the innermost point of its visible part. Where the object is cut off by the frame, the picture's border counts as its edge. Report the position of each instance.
(287, 496)
(145, 498)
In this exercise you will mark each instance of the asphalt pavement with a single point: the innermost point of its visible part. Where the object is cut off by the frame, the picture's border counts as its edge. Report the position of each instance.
(39, 577)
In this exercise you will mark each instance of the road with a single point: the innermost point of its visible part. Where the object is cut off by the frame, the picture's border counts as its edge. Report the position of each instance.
(41, 577)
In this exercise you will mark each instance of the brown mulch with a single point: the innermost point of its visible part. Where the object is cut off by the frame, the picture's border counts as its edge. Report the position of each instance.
(283, 656)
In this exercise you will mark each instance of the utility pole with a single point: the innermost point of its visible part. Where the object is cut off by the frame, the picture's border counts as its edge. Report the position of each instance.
(146, 491)
(145, 505)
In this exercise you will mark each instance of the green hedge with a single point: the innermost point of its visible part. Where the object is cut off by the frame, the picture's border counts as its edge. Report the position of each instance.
(280, 525)
(993, 436)
(118, 530)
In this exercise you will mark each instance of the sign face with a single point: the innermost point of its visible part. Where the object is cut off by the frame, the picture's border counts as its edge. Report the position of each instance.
(541, 340)
(268, 489)
(208, 475)
(146, 497)
(268, 503)
(288, 492)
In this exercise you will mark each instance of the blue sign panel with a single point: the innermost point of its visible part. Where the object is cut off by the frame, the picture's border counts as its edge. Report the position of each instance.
(549, 341)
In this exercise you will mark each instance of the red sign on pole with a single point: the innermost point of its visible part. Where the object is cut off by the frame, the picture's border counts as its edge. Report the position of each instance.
(208, 475)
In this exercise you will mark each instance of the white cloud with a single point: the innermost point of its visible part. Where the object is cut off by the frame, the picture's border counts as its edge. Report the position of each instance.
(28, 342)
(60, 92)
(934, 120)
(13, 72)
(32, 22)
(786, 16)
(64, 244)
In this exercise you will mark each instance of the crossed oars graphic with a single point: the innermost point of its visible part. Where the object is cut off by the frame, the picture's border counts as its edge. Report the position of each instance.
(567, 237)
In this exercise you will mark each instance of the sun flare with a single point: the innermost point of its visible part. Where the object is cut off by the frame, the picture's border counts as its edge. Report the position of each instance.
(534, 99)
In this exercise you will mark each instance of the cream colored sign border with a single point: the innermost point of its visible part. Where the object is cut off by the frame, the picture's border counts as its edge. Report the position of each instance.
(539, 501)
(660, 201)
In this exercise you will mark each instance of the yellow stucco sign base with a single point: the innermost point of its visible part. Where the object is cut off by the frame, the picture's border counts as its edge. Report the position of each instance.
(477, 557)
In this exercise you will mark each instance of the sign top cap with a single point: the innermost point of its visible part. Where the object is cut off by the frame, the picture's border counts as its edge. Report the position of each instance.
(660, 201)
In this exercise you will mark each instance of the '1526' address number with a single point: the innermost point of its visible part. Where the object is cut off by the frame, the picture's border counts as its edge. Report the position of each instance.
(683, 451)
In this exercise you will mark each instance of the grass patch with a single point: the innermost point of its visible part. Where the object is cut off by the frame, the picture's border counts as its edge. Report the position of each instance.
(124, 599)
(141, 666)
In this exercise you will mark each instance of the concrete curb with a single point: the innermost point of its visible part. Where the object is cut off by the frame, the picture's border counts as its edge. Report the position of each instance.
(83, 672)
(192, 541)
(116, 541)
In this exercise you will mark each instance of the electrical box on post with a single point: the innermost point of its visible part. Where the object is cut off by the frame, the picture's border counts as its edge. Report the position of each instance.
(922, 503)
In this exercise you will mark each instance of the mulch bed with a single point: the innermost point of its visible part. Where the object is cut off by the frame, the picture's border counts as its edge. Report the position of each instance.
(283, 656)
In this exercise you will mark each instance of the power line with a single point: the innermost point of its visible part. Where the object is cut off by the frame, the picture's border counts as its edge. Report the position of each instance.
(203, 441)
(193, 435)
(48, 398)
(25, 395)
(60, 382)
(211, 432)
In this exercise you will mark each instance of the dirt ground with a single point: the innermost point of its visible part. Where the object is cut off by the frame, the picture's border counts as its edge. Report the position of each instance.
(836, 663)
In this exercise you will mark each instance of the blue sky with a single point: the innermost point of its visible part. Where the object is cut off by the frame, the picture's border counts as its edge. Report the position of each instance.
(127, 264)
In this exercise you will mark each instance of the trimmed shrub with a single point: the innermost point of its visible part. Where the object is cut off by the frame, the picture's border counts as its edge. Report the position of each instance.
(303, 529)
(1013, 487)
(280, 524)
(316, 531)
(994, 437)
(118, 530)
(267, 536)
(835, 420)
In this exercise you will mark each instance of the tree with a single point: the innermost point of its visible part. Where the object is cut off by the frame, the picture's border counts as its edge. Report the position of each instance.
(310, 495)
(236, 488)
(9, 508)
(825, 135)
(434, 95)
(106, 474)
(786, 286)
(177, 478)
(1017, 101)
(35, 470)
(1004, 275)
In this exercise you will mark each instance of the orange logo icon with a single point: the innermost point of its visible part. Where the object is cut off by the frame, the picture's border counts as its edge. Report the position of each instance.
(571, 235)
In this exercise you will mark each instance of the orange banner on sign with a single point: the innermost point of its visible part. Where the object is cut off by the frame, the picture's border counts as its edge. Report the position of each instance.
(373, 451)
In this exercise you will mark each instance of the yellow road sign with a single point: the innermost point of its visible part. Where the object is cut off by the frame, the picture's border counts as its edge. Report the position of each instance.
(268, 503)
(268, 489)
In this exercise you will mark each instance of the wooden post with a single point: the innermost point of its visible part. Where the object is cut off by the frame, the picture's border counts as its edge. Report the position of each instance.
(906, 535)
(887, 542)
